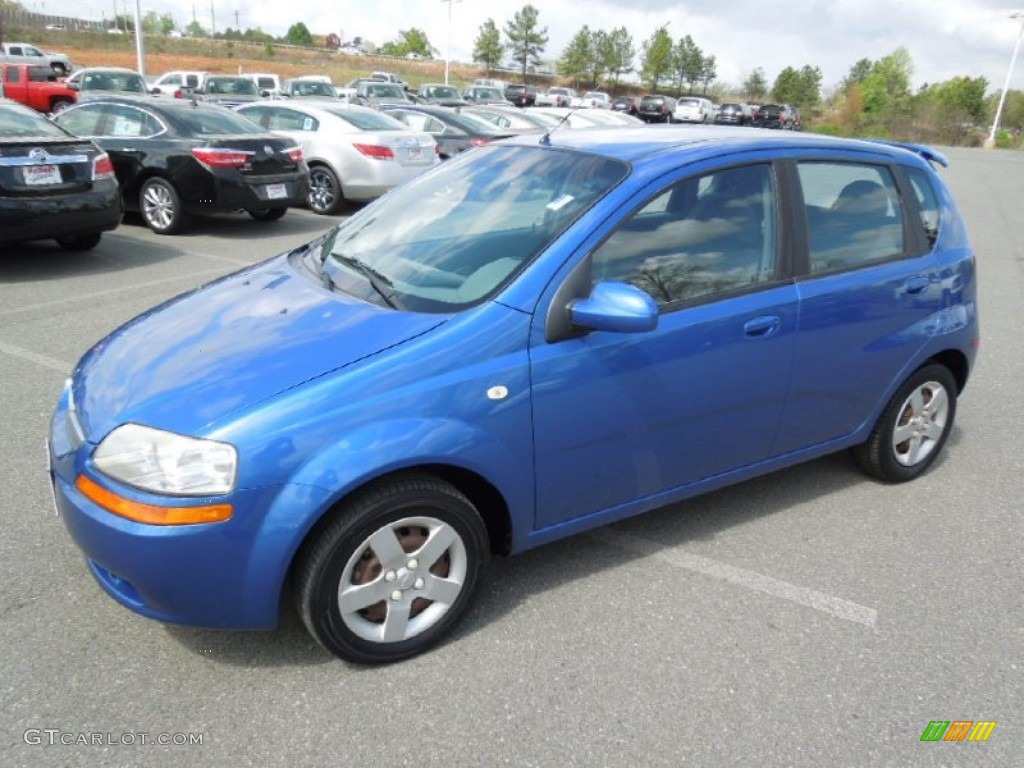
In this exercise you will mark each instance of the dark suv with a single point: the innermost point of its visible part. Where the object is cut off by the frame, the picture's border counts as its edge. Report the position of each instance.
(778, 116)
(734, 114)
(522, 95)
(656, 109)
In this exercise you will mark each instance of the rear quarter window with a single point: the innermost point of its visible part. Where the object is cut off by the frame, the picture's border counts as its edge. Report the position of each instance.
(928, 202)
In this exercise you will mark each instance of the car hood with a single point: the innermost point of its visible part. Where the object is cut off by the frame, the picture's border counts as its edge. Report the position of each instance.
(207, 354)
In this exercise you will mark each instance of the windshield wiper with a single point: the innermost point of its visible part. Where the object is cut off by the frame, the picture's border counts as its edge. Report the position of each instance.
(380, 283)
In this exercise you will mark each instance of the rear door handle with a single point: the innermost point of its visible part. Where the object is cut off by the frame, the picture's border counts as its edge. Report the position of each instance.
(762, 327)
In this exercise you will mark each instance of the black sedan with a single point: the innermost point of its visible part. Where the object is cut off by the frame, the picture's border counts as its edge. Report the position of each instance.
(175, 158)
(453, 129)
(52, 184)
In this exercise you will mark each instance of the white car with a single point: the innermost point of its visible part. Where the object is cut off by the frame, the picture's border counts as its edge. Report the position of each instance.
(178, 83)
(557, 96)
(354, 153)
(597, 100)
(694, 109)
(267, 83)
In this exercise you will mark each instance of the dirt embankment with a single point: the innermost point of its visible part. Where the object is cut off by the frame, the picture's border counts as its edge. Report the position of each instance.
(226, 58)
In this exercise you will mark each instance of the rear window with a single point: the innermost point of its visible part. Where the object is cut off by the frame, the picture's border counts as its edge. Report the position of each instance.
(18, 123)
(231, 85)
(368, 121)
(211, 122)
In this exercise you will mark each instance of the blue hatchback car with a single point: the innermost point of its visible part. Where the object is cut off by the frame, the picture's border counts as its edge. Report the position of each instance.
(539, 337)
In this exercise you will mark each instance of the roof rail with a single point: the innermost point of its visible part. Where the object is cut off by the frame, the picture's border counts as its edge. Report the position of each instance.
(927, 153)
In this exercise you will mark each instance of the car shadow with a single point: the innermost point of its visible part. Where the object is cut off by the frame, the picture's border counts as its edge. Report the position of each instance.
(511, 582)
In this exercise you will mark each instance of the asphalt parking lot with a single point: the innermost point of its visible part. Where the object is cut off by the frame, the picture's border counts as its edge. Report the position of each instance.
(813, 617)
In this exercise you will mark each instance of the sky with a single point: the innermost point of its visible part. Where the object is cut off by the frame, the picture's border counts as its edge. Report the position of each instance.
(945, 38)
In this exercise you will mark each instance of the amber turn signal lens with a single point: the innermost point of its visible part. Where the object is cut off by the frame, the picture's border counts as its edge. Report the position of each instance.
(150, 513)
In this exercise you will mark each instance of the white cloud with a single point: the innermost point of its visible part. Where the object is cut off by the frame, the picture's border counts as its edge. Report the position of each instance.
(946, 38)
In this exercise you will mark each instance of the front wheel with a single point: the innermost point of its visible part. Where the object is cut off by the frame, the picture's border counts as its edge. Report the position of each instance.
(59, 105)
(393, 570)
(913, 427)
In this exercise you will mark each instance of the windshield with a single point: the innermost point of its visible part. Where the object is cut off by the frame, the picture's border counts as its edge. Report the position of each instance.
(442, 92)
(447, 240)
(385, 91)
(231, 85)
(488, 93)
(114, 81)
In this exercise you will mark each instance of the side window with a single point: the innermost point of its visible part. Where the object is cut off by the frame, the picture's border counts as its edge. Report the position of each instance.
(81, 121)
(129, 122)
(702, 236)
(258, 115)
(13, 75)
(928, 202)
(290, 120)
(172, 80)
(854, 216)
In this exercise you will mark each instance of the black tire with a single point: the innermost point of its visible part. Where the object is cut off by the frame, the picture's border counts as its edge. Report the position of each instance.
(923, 409)
(267, 214)
(59, 105)
(325, 196)
(58, 69)
(405, 516)
(161, 207)
(81, 242)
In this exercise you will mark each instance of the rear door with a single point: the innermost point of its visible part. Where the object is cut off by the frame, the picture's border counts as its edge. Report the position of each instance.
(864, 299)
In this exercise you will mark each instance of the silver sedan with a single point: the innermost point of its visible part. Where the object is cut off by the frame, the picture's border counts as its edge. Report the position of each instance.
(354, 153)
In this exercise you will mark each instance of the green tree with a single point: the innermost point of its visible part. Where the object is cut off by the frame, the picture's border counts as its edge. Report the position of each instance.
(887, 87)
(409, 41)
(617, 54)
(687, 62)
(755, 87)
(786, 89)
(858, 74)
(810, 86)
(526, 39)
(657, 60)
(962, 96)
(488, 49)
(576, 57)
(195, 29)
(298, 34)
(597, 68)
(708, 72)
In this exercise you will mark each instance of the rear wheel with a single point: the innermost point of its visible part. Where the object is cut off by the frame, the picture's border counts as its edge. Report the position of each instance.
(325, 195)
(267, 214)
(913, 427)
(161, 207)
(393, 571)
(81, 242)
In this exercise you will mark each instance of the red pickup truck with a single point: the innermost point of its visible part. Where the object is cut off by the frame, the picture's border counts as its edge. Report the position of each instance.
(35, 86)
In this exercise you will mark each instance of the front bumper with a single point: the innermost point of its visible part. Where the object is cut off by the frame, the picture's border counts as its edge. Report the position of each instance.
(227, 575)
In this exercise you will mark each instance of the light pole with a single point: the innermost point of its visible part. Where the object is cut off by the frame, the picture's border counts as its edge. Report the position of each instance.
(448, 50)
(140, 46)
(991, 141)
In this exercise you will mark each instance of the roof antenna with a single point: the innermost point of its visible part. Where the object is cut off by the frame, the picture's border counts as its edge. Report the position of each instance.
(546, 138)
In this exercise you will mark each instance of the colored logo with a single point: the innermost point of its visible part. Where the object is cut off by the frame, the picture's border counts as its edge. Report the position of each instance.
(958, 730)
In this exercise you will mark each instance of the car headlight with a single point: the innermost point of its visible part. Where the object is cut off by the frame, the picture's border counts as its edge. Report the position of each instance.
(165, 462)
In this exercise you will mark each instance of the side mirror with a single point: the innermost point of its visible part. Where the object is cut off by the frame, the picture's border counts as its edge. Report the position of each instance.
(615, 307)
(265, 94)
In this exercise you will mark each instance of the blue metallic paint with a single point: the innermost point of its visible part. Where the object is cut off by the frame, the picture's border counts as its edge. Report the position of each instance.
(328, 392)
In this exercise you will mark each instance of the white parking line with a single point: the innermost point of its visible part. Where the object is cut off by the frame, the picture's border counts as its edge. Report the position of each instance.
(819, 601)
(109, 292)
(34, 357)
